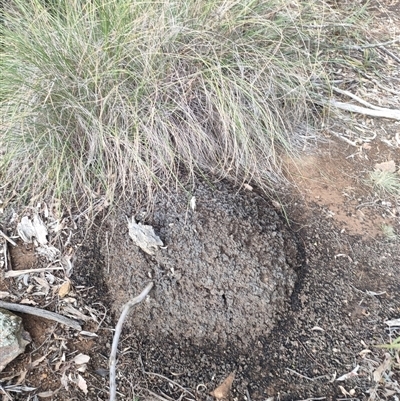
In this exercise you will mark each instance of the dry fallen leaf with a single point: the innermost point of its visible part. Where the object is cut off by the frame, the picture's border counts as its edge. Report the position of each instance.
(27, 301)
(59, 362)
(74, 313)
(49, 252)
(88, 334)
(38, 361)
(66, 262)
(46, 394)
(344, 391)
(81, 368)
(79, 381)
(222, 391)
(25, 229)
(64, 381)
(193, 203)
(64, 289)
(364, 352)
(28, 229)
(42, 283)
(40, 230)
(144, 236)
(21, 377)
(276, 205)
(349, 375)
(57, 365)
(81, 358)
(378, 373)
(317, 328)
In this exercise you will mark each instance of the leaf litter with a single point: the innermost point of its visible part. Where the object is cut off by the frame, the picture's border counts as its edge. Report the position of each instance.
(37, 286)
(222, 392)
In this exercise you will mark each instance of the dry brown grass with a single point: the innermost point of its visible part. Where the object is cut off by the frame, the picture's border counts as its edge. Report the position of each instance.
(111, 99)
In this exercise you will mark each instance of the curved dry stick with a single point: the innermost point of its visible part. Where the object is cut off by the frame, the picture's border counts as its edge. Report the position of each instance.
(16, 273)
(41, 313)
(118, 329)
(172, 382)
(386, 113)
(357, 98)
(371, 45)
(6, 237)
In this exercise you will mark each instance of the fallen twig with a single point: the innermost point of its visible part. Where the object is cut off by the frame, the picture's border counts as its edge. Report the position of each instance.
(5, 255)
(386, 113)
(16, 273)
(171, 381)
(158, 396)
(371, 110)
(390, 54)
(117, 334)
(248, 394)
(41, 313)
(352, 143)
(4, 392)
(332, 25)
(377, 83)
(6, 237)
(313, 399)
(305, 377)
(358, 99)
(372, 45)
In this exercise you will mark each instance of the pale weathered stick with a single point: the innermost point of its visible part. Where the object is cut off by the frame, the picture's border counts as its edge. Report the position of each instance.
(387, 113)
(377, 83)
(5, 256)
(343, 138)
(41, 313)
(118, 329)
(390, 54)
(371, 45)
(333, 25)
(5, 236)
(16, 273)
(358, 99)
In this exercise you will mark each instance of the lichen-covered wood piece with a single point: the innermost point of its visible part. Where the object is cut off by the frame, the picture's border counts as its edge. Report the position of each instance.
(13, 338)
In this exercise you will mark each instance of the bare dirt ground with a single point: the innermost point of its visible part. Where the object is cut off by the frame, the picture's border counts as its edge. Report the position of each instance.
(290, 295)
(347, 286)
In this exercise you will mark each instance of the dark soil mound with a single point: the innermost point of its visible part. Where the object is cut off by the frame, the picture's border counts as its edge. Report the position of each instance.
(227, 271)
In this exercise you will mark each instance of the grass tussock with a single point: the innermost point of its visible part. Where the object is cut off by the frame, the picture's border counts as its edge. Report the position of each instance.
(385, 182)
(389, 232)
(115, 98)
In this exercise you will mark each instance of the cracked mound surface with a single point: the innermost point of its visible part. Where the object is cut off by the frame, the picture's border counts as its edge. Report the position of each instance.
(226, 274)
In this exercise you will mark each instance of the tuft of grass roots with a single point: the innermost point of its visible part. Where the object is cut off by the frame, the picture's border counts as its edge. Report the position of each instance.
(116, 98)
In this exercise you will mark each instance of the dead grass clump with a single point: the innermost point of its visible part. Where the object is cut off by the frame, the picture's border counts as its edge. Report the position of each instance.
(108, 98)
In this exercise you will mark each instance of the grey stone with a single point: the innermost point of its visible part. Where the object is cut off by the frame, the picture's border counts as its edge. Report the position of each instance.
(13, 339)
